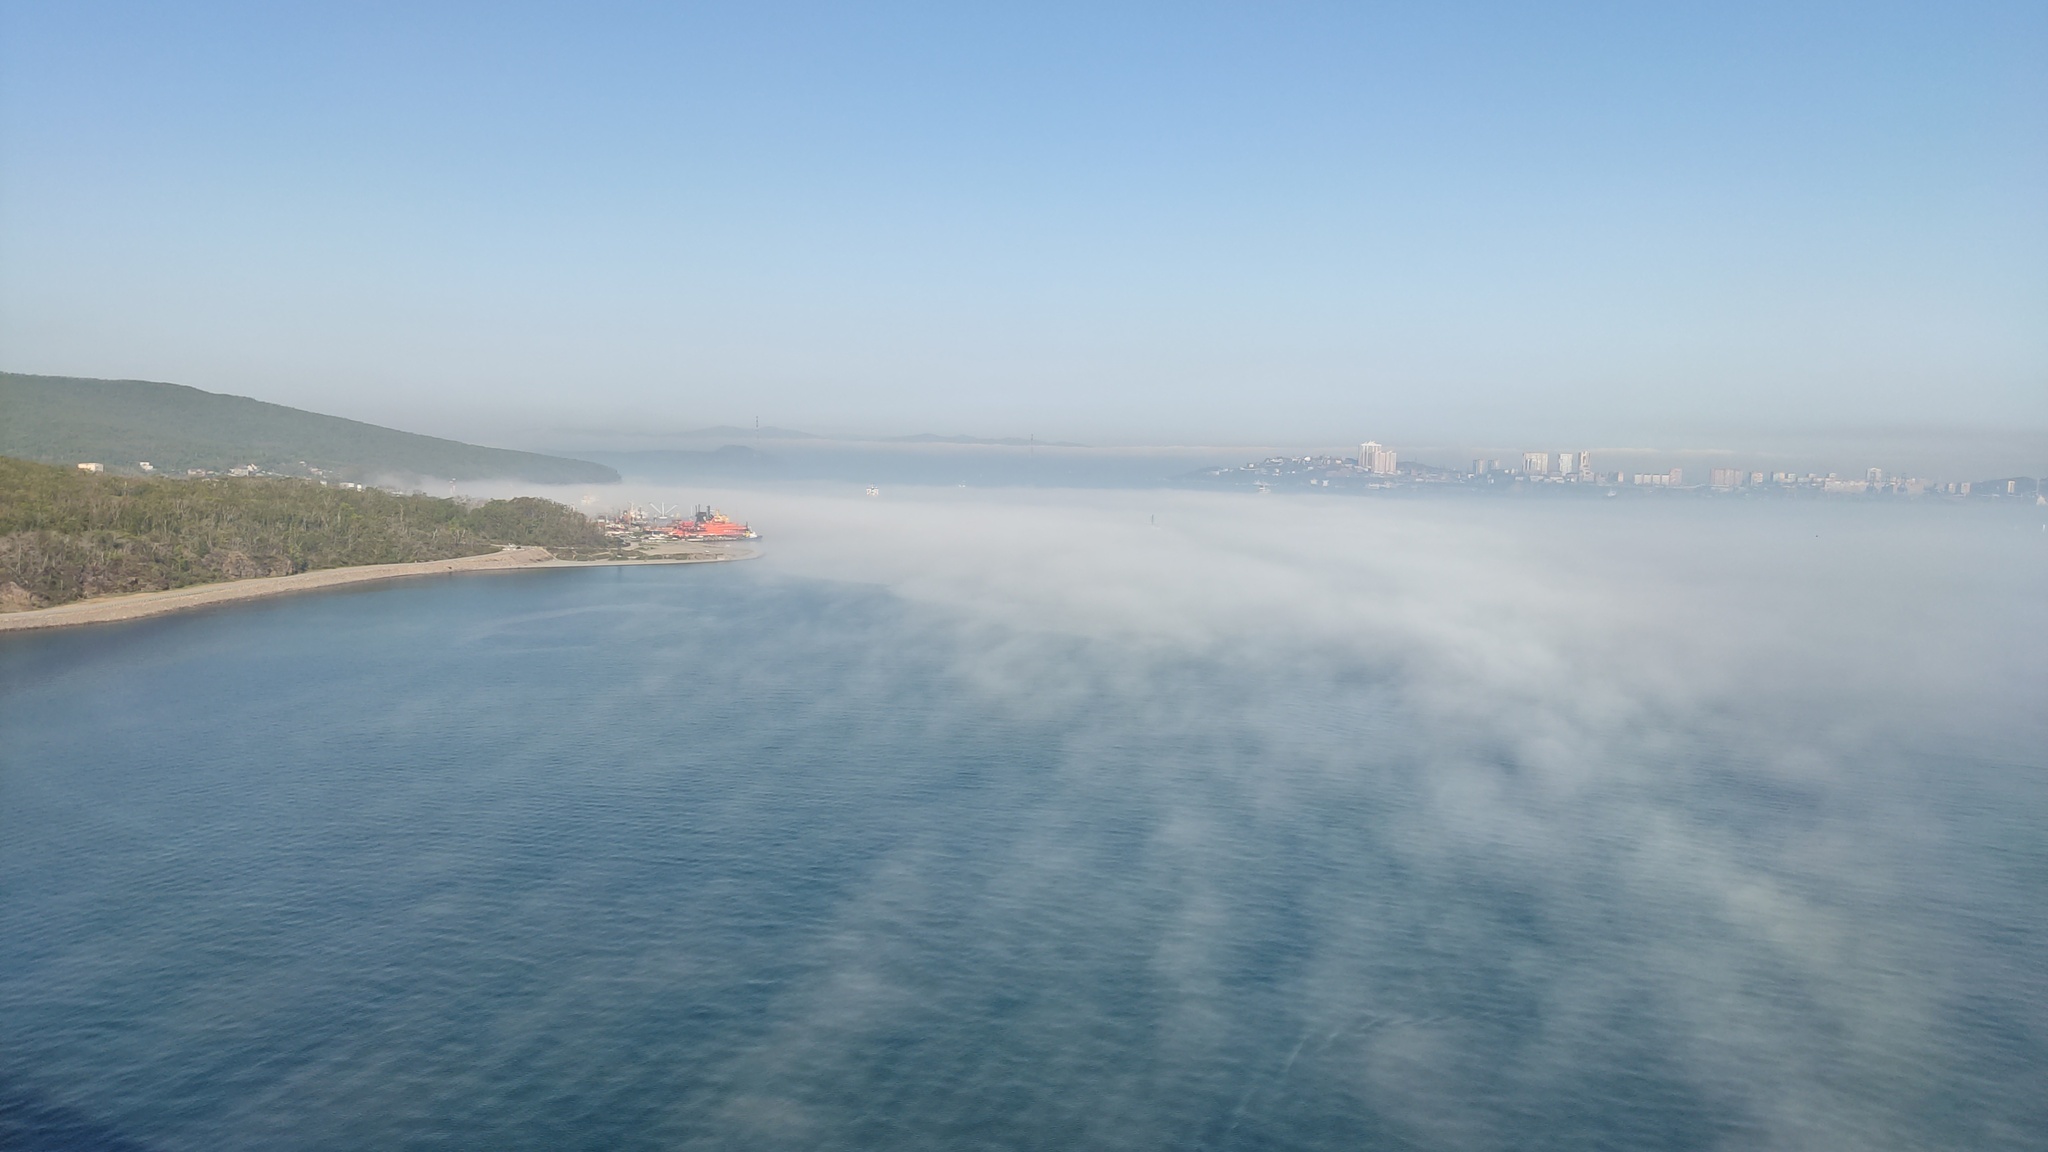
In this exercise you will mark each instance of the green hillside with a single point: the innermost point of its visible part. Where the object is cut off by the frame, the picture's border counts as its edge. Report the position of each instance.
(119, 423)
(66, 534)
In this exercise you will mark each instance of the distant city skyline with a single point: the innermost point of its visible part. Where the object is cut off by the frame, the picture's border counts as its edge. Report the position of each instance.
(1149, 224)
(1377, 466)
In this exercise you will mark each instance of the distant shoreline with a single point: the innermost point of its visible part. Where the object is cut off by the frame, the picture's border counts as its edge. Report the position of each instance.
(138, 605)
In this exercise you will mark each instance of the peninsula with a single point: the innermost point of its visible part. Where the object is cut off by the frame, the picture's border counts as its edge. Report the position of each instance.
(80, 547)
(136, 605)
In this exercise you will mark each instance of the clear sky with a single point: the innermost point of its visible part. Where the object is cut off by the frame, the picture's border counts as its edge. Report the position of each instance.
(1165, 222)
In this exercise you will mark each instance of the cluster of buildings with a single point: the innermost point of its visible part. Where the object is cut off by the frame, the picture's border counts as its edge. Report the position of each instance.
(1377, 466)
(637, 524)
(1558, 467)
(149, 469)
(1568, 467)
(1376, 459)
(1873, 480)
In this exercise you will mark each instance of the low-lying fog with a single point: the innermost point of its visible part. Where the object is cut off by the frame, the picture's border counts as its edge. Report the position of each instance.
(1769, 774)
(1072, 817)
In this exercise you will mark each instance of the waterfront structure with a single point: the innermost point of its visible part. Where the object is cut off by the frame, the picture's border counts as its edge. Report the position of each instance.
(1725, 477)
(708, 523)
(1536, 463)
(92, 467)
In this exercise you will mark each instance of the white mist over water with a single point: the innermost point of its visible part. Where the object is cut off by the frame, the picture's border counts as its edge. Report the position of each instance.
(1185, 819)
(1571, 683)
(1587, 698)
(1549, 599)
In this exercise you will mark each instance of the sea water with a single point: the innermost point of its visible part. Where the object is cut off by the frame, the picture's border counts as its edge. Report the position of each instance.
(1418, 828)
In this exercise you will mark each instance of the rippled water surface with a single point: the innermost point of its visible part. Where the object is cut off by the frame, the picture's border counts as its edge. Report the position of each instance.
(749, 857)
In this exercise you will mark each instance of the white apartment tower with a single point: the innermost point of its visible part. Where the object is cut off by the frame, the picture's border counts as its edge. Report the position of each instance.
(1376, 458)
(1536, 463)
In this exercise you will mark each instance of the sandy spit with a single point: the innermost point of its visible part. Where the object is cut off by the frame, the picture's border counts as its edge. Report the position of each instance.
(135, 605)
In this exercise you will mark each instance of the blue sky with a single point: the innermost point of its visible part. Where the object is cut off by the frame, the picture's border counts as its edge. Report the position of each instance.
(1171, 222)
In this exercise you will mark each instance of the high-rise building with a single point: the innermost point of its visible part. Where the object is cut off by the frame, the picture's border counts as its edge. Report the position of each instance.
(1586, 466)
(1376, 458)
(1725, 477)
(1567, 463)
(1536, 463)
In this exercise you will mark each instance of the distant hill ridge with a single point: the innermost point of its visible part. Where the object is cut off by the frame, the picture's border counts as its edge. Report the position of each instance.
(120, 423)
(733, 432)
(1004, 441)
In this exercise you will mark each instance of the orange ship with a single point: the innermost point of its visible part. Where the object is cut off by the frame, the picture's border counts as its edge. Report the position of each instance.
(711, 524)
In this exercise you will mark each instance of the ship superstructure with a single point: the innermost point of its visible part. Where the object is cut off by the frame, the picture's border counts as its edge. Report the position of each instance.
(708, 523)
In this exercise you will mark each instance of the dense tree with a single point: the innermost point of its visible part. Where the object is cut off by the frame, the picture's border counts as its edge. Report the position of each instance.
(67, 534)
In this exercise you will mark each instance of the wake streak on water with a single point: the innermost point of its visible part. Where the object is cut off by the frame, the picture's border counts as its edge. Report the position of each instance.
(1349, 841)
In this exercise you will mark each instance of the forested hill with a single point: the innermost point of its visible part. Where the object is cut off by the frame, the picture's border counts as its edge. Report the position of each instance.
(120, 423)
(66, 534)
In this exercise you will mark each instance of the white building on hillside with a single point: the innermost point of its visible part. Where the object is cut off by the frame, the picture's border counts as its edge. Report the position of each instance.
(1376, 458)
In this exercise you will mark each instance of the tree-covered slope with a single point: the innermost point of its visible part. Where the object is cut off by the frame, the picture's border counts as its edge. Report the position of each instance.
(119, 423)
(66, 535)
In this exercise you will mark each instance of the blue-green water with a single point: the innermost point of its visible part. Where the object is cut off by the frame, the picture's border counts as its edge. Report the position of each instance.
(729, 858)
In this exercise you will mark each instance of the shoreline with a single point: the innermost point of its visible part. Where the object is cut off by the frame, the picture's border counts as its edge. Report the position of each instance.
(139, 605)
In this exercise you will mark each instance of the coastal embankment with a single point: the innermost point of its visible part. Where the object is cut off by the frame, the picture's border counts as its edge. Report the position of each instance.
(136, 605)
